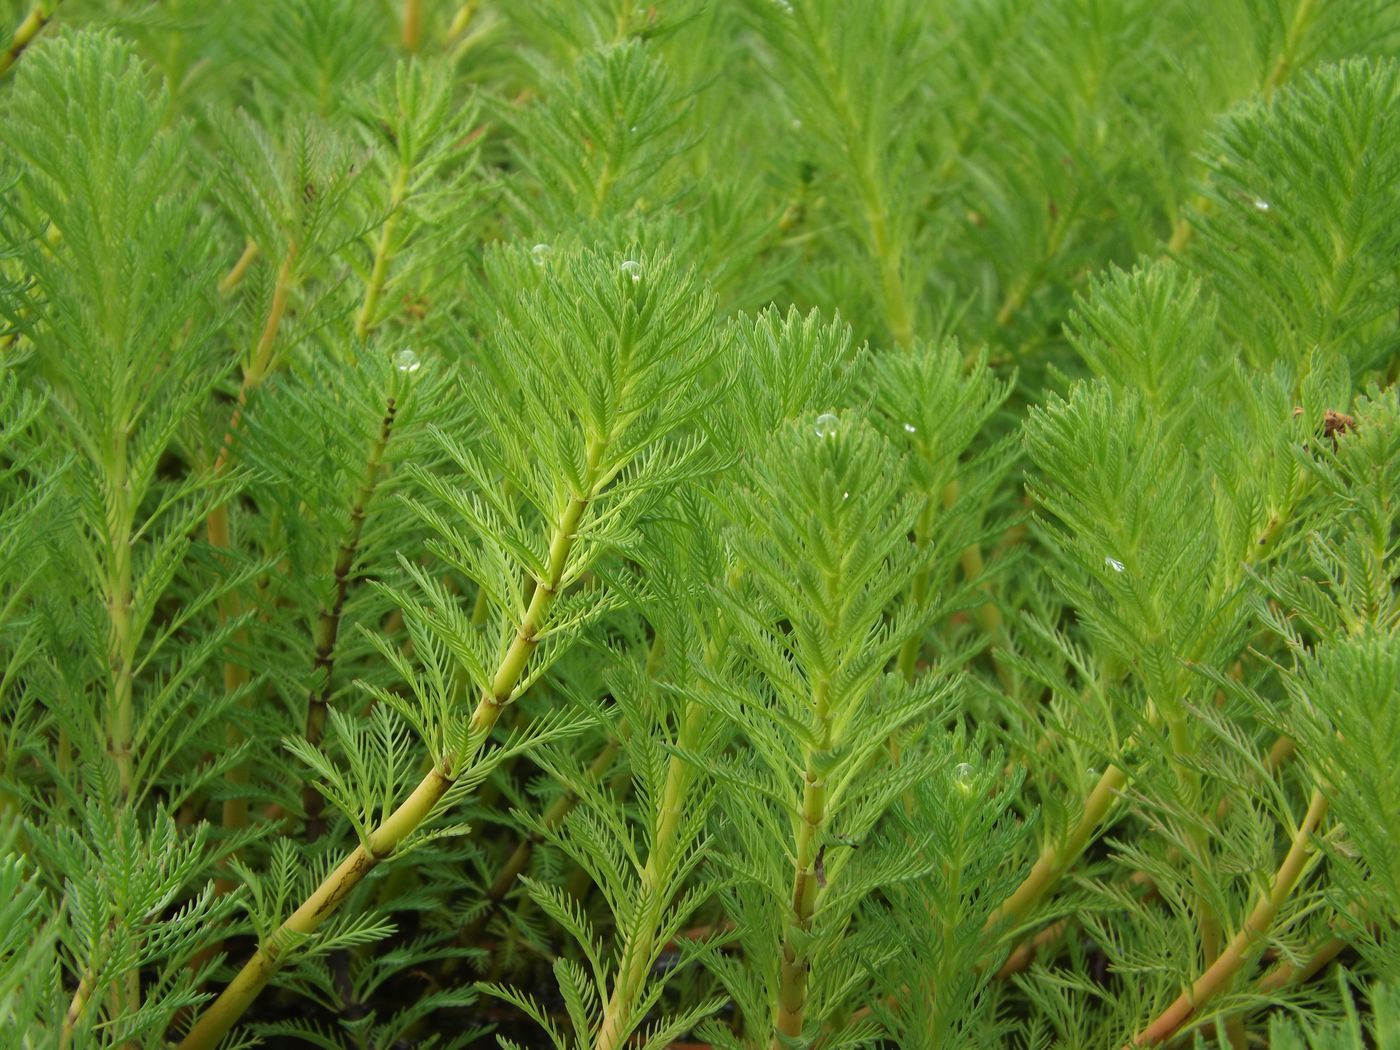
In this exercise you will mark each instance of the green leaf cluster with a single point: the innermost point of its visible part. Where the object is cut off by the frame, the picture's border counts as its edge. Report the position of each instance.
(744, 523)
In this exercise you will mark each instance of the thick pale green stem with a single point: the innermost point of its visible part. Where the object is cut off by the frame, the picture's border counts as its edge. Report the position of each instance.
(220, 1017)
(224, 1012)
(34, 22)
(234, 277)
(1025, 953)
(1237, 953)
(889, 255)
(988, 615)
(1057, 857)
(261, 361)
(1286, 975)
(461, 20)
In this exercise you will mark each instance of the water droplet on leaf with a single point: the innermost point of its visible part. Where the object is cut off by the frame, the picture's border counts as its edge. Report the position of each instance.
(633, 269)
(407, 361)
(910, 428)
(964, 773)
(540, 253)
(1262, 204)
(1114, 564)
(827, 425)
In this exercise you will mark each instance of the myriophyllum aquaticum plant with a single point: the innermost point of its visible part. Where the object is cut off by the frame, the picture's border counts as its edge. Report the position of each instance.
(724, 523)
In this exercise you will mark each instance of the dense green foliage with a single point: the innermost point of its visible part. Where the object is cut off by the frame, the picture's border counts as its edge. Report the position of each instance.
(742, 523)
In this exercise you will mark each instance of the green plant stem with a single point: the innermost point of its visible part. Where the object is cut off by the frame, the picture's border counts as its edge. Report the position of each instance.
(412, 25)
(39, 16)
(74, 1013)
(383, 252)
(219, 1018)
(328, 625)
(987, 614)
(908, 660)
(129, 995)
(1183, 749)
(1020, 292)
(223, 1013)
(1229, 963)
(640, 943)
(120, 515)
(1287, 974)
(1018, 961)
(1057, 857)
(1282, 69)
(217, 527)
(602, 187)
(461, 20)
(790, 1011)
(973, 566)
(234, 277)
(1025, 953)
(1181, 232)
(121, 650)
(559, 809)
(899, 315)
(1292, 41)
(1029, 949)
(885, 249)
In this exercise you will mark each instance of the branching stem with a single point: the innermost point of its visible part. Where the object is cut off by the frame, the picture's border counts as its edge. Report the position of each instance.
(1237, 953)
(224, 1012)
(1285, 975)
